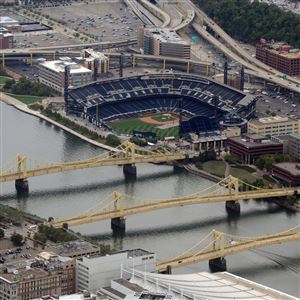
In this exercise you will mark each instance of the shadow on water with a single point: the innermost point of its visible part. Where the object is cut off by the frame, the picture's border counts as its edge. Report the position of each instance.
(93, 186)
(186, 226)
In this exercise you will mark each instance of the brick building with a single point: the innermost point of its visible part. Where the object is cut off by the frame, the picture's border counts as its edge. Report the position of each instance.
(287, 172)
(250, 147)
(279, 56)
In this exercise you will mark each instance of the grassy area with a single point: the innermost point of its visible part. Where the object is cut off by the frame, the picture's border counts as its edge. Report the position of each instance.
(242, 174)
(215, 167)
(27, 99)
(3, 79)
(127, 127)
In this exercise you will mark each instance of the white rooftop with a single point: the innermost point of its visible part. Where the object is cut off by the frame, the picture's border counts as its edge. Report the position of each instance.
(59, 66)
(274, 119)
(5, 20)
(94, 54)
(204, 285)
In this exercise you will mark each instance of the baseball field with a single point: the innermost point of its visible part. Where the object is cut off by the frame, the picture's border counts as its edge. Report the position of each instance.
(164, 125)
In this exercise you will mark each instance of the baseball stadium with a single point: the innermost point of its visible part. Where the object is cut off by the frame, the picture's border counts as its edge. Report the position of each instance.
(161, 105)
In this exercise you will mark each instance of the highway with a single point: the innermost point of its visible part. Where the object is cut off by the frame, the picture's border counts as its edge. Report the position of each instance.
(233, 50)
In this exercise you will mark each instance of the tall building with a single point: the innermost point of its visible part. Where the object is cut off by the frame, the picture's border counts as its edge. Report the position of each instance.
(274, 126)
(52, 73)
(96, 271)
(162, 41)
(279, 56)
(291, 144)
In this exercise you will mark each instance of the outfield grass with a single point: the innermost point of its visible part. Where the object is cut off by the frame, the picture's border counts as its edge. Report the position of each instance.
(215, 167)
(127, 127)
(27, 99)
(3, 79)
(242, 174)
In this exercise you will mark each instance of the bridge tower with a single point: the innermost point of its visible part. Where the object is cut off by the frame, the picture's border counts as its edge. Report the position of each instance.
(130, 168)
(21, 184)
(233, 206)
(217, 264)
(118, 224)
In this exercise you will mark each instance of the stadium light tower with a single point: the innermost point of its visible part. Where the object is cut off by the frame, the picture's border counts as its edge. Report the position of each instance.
(66, 88)
(226, 72)
(180, 116)
(121, 65)
(242, 78)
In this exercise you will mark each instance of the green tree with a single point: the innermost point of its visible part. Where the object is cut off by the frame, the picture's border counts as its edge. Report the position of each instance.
(2, 233)
(113, 140)
(41, 237)
(17, 239)
(8, 84)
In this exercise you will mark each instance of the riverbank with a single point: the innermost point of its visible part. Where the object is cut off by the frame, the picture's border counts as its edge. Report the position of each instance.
(24, 108)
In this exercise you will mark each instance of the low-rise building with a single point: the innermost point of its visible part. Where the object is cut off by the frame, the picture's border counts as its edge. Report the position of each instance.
(250, 147)
(96, 271)
(6, 40)
(89, 58)
(52, 74)
(163, 42)
(274, 126)
(279, 56)
(11, 24)
(287, 172)
(47, 274)
(291, 144)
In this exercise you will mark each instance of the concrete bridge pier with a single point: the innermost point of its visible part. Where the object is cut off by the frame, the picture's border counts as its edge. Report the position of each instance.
(217, 264)
(118, 225)
(167, 271)
(22, 186)
(129, 169)
(233, 207)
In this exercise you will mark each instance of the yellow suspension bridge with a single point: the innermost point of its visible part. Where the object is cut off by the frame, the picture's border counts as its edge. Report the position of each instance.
(127, 154)
(220, 244)
(116, 207)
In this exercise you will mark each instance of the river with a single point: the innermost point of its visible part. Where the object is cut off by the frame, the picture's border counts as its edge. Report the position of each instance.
(166, 232)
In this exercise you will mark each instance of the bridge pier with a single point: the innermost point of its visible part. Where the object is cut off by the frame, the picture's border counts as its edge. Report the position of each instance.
(233, 207)
(22, 186)
(217, 264)
(167, 271)
(129, 169)
(118, 225)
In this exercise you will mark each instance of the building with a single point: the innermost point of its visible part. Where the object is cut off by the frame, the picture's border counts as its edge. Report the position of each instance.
(274, 126)
(279, 56)
(6, 40)
(47, 274)
(250, 147)
(200, 286)
(291, 144)
(52, 74)
(287, 172)
(90, 56)
(12, 25)
(162, 41)
(96, 271)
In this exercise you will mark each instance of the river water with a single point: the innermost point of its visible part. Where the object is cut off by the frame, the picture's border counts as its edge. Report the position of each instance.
(166, 232)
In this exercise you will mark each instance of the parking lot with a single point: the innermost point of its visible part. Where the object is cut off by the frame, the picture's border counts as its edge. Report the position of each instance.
(104, 21)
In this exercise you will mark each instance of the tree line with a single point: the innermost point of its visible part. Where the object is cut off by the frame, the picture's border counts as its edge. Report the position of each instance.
(249, 21)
